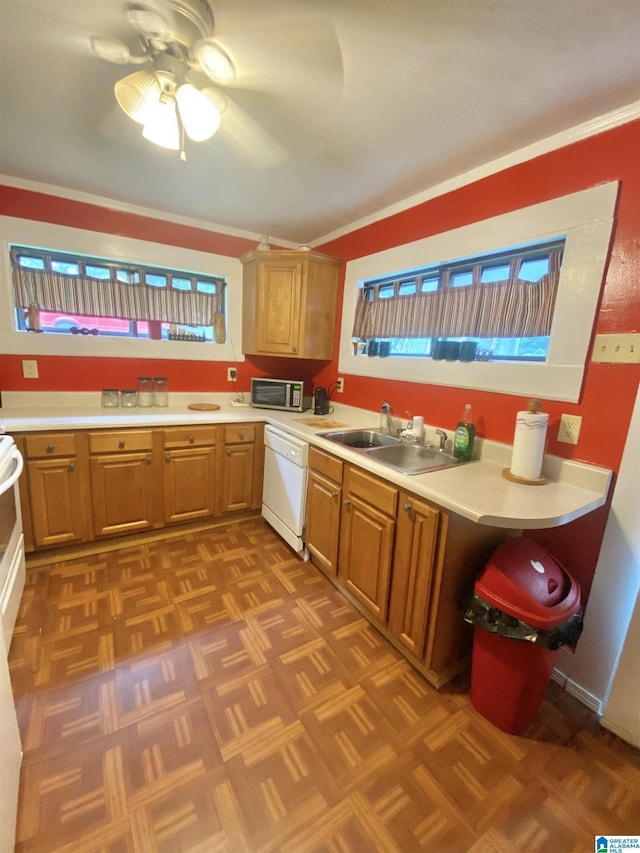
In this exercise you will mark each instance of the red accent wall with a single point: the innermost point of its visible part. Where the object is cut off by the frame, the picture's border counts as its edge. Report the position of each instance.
(608, 393)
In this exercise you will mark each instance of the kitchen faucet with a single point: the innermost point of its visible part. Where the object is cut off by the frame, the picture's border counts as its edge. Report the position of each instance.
(443, 437)
(386, 421)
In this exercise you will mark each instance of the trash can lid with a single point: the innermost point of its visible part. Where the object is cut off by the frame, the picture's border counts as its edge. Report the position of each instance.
(525, 581)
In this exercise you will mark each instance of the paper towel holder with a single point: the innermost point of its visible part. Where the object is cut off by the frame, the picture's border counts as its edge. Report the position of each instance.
(532, 406)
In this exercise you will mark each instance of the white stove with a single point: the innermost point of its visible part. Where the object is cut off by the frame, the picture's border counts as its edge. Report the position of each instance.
(12, 578)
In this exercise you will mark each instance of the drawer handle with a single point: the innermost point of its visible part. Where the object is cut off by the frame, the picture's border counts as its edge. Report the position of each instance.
(191, 439)
(148, 459)
(121, 445)
(167, 457)
(347, 503)
(407, 507)
(241, 434)
(50, 448)
(72, 466)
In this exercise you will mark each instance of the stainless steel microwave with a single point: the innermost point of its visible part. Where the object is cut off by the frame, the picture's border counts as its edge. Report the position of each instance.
(285, 394)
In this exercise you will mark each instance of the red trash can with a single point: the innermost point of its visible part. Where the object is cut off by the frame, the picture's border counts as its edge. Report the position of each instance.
(509, 675)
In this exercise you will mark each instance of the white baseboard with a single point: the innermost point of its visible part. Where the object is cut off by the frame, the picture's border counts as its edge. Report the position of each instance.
(592, 702)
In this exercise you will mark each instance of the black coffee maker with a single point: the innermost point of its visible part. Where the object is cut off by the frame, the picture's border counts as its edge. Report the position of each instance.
(320, 401)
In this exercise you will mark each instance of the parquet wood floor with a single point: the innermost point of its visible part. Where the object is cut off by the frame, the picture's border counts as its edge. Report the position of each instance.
(212, 692)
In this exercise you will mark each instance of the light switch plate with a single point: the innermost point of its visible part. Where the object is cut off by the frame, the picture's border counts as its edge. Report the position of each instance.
(617, 349)
(569, 431)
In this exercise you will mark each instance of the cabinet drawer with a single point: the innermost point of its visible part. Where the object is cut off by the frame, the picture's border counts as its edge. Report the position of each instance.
(120, 441)
(324, 464)
(189, 436)
(240, 433)
(372, 490)
(52, 444)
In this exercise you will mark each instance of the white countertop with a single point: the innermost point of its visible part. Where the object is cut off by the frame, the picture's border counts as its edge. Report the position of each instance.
(476, 490)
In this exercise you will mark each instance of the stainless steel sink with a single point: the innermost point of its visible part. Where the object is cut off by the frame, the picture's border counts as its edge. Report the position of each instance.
(413, 458)
(362, 439)
(392, 451)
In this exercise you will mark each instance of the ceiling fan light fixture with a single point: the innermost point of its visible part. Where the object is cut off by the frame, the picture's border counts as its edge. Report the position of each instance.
(199, 116)
(137, 94)
(161, 126)
(215, 61)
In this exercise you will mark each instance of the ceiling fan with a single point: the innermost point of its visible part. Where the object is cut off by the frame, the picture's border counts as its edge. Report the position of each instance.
(176, 43)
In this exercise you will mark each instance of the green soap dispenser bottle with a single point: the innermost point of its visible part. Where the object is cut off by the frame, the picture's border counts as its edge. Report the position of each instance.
(465, 435)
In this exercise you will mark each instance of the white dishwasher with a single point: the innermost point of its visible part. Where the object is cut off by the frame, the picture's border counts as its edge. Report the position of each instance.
(284, 493)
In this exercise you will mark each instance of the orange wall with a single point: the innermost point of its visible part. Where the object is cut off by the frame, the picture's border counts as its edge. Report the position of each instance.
(608, 392)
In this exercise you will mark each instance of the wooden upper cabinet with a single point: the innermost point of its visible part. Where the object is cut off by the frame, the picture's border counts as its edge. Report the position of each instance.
(289, 303)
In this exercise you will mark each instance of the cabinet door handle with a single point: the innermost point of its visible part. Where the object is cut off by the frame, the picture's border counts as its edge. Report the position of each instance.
(167, 457)
(50, 448)
(294, 349)
(334, 494)
(347, 503)
(228, 452)
(72, 466)
(191, 439)
(148, 459)
(121, 445)
(407, 507)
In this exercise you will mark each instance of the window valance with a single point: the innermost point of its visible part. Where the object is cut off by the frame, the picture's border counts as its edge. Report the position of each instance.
(509, 308)
(67, 294)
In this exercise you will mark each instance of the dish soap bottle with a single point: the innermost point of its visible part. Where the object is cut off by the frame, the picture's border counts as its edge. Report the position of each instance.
(465, 435)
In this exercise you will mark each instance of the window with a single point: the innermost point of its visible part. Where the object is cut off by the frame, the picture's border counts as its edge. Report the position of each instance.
(503, 302)
(58, 293)
(584, 218)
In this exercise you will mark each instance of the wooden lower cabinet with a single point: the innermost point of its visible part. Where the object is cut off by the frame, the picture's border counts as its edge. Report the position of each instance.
(241, 461)
(58, 488)
(121, 473)
(404, 562)
(324, 501)
(413, 570)
(366, 539)
(189, 473)
(83, 485)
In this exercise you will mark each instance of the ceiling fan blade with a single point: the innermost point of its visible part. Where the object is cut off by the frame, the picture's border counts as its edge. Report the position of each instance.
(113, 50)
(247, 138)
(269, 48)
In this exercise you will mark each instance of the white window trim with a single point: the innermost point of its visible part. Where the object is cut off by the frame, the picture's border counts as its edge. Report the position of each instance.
(27, 232)
(585, 218)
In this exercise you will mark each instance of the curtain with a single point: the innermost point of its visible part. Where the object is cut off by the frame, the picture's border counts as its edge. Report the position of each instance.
(513, 308)
(108, 298)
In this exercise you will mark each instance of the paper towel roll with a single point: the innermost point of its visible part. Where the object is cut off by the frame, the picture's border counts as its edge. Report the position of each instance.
(528, 444)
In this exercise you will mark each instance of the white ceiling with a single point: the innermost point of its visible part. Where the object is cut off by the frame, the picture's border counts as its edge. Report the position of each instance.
(340, 107)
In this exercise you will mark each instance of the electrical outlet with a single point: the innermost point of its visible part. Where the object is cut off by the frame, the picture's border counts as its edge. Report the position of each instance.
(340, 385)
(617, 349)
(232, 374)
(569, 431)
(29, 369)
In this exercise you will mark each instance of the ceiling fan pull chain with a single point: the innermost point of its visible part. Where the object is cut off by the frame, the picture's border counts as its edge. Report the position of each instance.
(183, 155)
